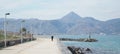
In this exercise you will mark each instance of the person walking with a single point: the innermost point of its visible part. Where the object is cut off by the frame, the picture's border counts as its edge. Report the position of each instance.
(52, 38)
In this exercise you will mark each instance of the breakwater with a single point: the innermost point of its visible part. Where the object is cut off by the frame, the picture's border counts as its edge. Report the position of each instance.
(80, 39)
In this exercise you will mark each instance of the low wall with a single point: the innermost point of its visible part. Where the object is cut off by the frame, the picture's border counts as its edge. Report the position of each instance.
(14, 42)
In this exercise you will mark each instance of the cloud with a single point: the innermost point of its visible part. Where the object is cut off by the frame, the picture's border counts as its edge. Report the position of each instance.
(40, 14)
(54, 9)
(8, 4)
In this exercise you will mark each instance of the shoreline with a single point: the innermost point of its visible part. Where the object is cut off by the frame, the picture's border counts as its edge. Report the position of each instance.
(63, 48)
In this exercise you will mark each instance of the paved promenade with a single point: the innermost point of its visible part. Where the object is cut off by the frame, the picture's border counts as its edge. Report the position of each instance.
(39, 46)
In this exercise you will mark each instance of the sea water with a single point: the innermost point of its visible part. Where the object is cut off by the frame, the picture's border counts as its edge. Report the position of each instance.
(107, 44)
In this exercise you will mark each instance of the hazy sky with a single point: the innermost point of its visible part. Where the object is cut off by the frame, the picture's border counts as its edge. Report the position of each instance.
(55, 9)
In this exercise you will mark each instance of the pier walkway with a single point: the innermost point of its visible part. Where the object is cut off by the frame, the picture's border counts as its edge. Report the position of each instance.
(39, 46)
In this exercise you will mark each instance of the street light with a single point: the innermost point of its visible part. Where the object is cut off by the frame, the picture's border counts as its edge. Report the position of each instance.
(5, 41)
(31, 34)
(21, 30)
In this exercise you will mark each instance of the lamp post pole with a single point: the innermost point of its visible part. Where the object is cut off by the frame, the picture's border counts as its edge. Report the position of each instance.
(5, 41)
(21, 33)
(22, 30)
(31, 33)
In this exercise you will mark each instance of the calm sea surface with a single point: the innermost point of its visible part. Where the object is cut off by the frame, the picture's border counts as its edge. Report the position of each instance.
(107, 44)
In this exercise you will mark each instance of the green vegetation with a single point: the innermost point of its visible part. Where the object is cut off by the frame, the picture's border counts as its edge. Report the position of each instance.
(1, 37)
(24, 30)
(9, 37)
(13, 36)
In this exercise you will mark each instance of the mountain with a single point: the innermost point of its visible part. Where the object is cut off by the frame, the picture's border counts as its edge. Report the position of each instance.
(113, 26)
(70, 17)
(70, 24)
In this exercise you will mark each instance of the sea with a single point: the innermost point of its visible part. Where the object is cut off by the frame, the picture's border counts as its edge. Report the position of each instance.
(106, 44)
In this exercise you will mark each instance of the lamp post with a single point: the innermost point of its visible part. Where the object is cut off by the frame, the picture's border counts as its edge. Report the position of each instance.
(5, 41)
(22, 30)
(31, 33)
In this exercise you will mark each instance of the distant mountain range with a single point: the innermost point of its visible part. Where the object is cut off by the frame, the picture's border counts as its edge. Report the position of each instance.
(70, 24)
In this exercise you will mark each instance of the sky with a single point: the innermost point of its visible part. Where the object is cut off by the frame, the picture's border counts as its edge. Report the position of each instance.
(56, 9)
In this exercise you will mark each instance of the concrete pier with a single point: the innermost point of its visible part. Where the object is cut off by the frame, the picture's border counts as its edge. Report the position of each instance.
(39, 46)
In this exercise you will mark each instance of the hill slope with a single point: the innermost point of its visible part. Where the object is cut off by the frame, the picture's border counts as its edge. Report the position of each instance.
(71, 23)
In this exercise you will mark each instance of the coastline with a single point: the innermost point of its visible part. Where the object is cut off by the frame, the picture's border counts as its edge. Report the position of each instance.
(63, 48)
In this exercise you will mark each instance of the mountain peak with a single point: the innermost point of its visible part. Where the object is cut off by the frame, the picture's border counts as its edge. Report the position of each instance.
(72, 13)
(72, 16)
